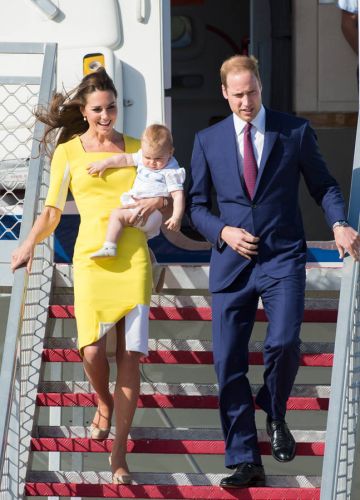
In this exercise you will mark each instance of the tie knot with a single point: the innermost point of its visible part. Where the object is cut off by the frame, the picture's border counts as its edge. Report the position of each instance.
(248, 127)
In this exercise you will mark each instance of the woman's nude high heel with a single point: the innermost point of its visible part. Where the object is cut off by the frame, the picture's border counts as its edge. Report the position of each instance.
(98, 432)
(121, 478)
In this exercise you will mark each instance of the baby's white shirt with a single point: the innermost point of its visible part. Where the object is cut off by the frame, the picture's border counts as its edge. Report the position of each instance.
(150, 183)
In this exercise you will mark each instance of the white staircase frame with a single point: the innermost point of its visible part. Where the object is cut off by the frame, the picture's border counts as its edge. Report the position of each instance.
(28, 312)
(20, 370)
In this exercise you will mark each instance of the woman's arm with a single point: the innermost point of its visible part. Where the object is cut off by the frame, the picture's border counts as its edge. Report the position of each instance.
(44, 225)
(116, 161)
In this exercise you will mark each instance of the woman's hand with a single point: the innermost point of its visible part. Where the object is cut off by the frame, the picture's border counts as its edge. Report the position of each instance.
(22, 256)
(45, 224)
(146, 207)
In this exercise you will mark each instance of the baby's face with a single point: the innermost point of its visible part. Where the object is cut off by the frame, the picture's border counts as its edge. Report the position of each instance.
(155, 158)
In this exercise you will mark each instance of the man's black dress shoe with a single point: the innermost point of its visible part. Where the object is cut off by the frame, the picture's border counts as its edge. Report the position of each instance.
(283, 444)
(245, 476)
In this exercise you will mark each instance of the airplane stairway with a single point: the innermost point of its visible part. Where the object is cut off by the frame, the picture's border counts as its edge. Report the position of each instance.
(175, 446)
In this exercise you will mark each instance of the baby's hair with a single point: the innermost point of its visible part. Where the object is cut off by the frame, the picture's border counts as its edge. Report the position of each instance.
(158, 137)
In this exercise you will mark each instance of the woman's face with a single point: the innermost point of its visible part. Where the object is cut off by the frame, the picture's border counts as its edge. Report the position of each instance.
(100, 111)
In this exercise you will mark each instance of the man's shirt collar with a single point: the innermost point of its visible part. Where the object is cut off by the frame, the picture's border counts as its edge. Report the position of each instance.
(258, 122)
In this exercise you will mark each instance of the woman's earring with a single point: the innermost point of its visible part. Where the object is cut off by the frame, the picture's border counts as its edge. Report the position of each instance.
(85, 119)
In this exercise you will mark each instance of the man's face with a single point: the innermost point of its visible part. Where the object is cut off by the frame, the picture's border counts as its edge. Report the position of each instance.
(243, 92)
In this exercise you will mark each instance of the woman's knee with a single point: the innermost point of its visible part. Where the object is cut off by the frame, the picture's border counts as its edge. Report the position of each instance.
(93, 354)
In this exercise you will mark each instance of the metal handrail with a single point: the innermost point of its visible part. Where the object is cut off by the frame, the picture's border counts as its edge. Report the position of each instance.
(335, 470)
(17, 301)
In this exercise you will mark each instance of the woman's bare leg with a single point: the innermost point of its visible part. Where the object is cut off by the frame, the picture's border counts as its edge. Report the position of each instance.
(125, 400)
(97, 369)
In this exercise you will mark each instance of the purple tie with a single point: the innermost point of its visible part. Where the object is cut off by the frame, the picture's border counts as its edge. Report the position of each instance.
(250, 165)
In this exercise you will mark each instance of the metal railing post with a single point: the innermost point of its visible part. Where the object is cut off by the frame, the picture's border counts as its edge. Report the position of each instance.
(340, 465)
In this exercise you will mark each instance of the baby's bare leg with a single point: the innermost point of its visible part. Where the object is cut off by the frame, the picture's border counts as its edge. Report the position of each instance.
(119, 219)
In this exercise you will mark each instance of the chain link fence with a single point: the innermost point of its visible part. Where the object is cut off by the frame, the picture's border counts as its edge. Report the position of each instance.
(17, 102)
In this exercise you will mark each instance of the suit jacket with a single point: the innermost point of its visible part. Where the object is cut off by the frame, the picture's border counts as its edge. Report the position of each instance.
(290, 149)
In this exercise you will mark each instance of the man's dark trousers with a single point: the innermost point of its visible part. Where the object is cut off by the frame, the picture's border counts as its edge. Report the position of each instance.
(234, 311)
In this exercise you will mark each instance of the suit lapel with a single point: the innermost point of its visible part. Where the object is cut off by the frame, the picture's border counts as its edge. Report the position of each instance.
(271, 134)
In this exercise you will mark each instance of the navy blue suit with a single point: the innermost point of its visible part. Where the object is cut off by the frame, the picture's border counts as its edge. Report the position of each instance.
(276, 274)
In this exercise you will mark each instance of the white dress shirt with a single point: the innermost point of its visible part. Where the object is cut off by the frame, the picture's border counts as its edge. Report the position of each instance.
(257, 135)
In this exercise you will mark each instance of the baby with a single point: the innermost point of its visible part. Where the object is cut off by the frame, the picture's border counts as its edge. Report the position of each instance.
(158, 174)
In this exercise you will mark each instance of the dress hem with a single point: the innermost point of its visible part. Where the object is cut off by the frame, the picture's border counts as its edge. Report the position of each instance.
(109, 328)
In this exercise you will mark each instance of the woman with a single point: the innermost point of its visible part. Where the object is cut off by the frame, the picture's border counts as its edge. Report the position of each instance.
(111, 291)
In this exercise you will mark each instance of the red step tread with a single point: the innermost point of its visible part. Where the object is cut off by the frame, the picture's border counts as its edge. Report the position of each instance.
(179, 446)
(169, 401)
(185, 357)
(169, 491)
(200, 314)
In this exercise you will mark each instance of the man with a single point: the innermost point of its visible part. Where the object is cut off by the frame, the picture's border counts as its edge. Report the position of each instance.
(253, 160)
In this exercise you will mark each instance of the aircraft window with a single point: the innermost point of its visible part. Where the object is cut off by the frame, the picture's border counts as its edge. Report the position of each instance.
(181, 32)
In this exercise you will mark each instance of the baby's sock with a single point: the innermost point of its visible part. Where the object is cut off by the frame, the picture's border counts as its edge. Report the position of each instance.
(109, 244)
(109, 249)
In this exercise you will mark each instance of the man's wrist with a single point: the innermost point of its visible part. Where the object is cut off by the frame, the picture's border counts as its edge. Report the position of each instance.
(340, 223)
(223, 232)
(221, 242)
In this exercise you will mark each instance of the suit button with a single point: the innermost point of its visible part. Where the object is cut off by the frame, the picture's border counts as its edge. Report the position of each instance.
(254, 205)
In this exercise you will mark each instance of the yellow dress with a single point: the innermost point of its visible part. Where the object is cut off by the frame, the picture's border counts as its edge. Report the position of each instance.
(105, 290)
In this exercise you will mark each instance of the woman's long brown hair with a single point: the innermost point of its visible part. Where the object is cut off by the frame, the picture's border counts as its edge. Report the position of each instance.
(63, 118)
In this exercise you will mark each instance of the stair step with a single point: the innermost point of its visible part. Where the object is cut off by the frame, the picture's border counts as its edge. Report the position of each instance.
(320, 275)
(169, 401)
(192, 396)
(184, 357)
(171, 446)
(179, 389)
(191, 345)
(189, 313)
(137, 433)
(161, 486)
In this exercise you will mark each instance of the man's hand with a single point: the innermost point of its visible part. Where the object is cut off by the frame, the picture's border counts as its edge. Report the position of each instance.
(241, 241)
(347, 240)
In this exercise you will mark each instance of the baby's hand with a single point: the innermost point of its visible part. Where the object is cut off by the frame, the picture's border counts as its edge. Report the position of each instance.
(173, 224)
(97, 167)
